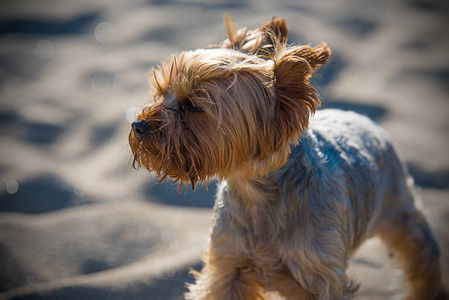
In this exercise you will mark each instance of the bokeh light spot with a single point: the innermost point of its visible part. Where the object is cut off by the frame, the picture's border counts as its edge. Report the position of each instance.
(78, 191)
(12, 186)
(166, 236)
(105, 32)
(131, 114)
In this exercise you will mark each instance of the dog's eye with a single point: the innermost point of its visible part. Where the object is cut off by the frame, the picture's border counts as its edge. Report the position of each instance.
(190, 106)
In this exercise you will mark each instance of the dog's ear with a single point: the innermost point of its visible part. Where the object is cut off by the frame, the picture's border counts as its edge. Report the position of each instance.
(315, 56)
(277, 26)
(258, 41)
(296, 100)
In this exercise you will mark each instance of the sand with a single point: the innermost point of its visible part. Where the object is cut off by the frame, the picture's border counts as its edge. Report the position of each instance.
(78, 222)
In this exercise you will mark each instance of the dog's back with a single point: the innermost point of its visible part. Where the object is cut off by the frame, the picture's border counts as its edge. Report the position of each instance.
(351, 163)
(346, 158)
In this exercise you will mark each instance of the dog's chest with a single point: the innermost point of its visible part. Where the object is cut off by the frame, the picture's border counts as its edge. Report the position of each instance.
(255, 227)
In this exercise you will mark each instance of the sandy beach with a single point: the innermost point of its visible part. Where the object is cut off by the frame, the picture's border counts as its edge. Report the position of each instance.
(78, 222)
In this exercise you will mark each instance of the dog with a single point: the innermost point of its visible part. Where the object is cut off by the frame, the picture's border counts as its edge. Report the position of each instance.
(298, 194)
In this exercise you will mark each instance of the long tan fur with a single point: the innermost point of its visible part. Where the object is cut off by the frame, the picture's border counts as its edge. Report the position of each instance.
(298, 194)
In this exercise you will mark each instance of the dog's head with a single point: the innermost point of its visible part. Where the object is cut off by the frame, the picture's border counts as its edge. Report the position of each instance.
(217, 112)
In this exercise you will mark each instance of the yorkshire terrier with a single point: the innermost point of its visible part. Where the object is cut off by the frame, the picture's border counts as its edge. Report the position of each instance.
(298, 194)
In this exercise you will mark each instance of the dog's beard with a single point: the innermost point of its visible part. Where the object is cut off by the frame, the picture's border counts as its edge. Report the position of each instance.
(169, 150)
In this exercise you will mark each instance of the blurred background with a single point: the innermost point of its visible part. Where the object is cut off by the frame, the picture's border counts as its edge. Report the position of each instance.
(78, 222)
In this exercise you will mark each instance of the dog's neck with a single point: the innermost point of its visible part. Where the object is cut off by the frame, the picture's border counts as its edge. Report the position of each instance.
(252, 189)
(260, 169)
(255, 191)
(255, 204)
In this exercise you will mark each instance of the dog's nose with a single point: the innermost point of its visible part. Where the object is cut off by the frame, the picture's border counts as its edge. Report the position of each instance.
(139, 129)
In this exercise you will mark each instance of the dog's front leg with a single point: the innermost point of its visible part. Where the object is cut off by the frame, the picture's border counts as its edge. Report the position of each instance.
(226, 275)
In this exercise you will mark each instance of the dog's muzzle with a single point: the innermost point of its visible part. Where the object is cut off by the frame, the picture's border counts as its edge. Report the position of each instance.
(139, 129)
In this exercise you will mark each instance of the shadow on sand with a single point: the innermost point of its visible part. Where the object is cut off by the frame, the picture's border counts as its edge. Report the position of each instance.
(47, 27)
(41, 194)
(167, 193)
(433, 179)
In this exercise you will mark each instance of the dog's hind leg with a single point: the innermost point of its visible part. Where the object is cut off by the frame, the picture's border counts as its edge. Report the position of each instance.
(411, 238)
(405, 231)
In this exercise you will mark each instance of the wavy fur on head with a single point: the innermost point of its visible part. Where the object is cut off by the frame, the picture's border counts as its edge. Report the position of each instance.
(221, 111)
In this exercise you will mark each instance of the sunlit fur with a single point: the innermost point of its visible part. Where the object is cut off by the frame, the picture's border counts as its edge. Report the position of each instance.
(297, 198)
(252, 109)
(259, 41)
